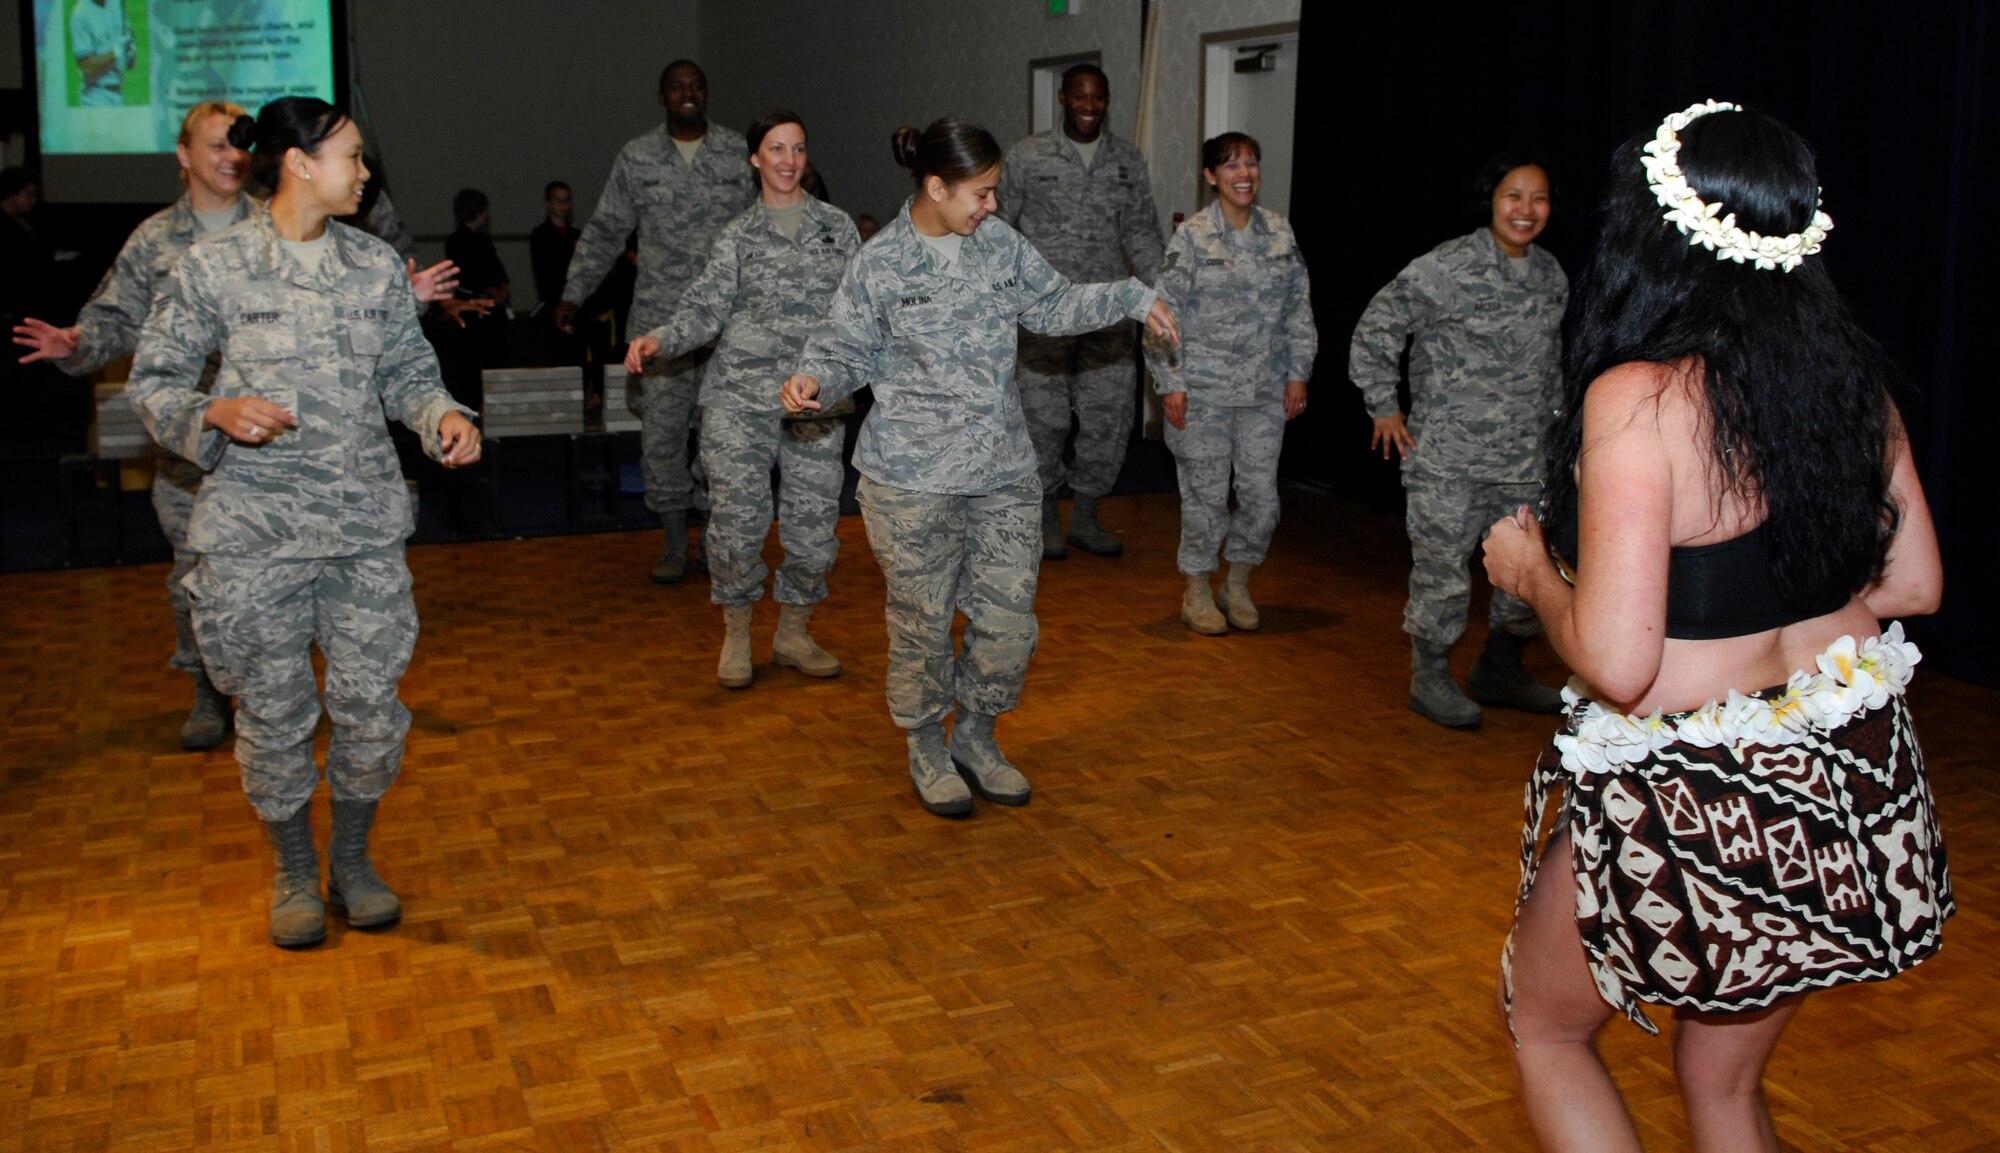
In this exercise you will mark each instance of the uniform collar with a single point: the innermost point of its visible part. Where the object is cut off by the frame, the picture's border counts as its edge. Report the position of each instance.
(1067, 147)
(707, 143)
(819, 215)
(1258, 225)
(267, 258)
(181, 221)
(1490, 245)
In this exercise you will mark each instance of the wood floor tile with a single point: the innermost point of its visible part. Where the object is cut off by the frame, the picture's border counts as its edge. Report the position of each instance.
(1256, 904)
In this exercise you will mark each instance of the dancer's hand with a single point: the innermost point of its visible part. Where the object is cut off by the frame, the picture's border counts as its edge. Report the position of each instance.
(247, 419)
(798, 395)
(1512, 544)
(638, 352)
(47, 341)
(433, 283)
(459, 438)
(1392, 430)
(1176, 405)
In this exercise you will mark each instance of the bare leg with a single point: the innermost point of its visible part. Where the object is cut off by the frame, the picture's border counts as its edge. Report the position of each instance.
(1570, 1097)
(1719, 1062)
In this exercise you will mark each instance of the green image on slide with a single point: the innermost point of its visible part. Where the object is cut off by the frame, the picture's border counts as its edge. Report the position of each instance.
(108, 64)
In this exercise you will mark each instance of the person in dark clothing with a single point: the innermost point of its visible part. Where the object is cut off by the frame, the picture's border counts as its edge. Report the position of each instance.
(550, 246)
(481, 275)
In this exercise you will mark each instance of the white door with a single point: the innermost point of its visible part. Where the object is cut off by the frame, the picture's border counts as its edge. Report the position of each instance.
(1259, 101)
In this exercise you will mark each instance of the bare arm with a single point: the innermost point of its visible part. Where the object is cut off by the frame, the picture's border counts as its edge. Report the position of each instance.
(1611, 627)
(1912, 583)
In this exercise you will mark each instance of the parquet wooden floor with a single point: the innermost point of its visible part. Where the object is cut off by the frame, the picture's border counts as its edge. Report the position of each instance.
(1255, 905)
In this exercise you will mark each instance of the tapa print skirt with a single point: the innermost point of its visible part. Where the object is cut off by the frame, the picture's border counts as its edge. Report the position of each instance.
(1770, 844)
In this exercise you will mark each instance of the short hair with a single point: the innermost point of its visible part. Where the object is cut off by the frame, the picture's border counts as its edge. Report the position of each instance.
(761, 127)
(467, 205)
(1085, 69)
(1217, 151)
(549, 189)
(683, 62)
(201, 112)
(951, 149)
(1496, 168)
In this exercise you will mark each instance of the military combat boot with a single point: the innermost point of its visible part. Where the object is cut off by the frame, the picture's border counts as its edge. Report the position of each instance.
(733, 670)
(794, 647)
(298, 916)
(1086, 534)
(351, 881)
(1053, 547)
(1499, 678)
(1433, 694)
(211, 719)
(939, 790)
(1198, 610)
(1237, 606)
(979, 760)
(672, 568)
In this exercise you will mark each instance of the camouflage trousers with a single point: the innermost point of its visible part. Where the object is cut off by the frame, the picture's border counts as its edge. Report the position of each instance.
(940, 556)
(257, 619)
(1217, 440)
(1448, 517)
(737, 452)
(1092, 376)
(666, 407)
(175, 482)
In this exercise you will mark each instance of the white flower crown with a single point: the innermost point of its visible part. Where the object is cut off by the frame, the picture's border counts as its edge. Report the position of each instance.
(1703, 223)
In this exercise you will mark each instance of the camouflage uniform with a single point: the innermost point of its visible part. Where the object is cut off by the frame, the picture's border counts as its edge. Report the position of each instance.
(109, 326)
(384, 222)
(1086, 222)
(950, 490)
(764, 293)
(679, 209)
(301, 538)
(1244, 304)
(1485, 375)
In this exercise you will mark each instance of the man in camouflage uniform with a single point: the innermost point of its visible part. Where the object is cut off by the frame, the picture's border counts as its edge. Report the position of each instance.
(1485, 375)
(949, 485)
(678, 185)
(764, 292)
(301, 533)
(1084, 198)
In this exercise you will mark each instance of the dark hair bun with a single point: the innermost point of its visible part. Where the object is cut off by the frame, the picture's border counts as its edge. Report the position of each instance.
(243, 132)
(904, 145)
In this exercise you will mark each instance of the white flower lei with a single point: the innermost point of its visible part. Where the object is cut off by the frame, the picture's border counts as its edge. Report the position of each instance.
(1852, 679)
(1703, 223)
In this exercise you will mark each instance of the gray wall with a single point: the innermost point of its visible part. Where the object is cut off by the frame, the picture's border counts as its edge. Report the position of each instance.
(855, 72)
(506, 95)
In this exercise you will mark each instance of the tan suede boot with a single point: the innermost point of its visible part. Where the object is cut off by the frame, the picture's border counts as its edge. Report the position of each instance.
(794, 647)
(733, 670)
(1198, 610)
(1236, 604)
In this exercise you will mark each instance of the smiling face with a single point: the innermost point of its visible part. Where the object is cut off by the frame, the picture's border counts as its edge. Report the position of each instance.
(961, 207)
(1083, 101)
(780, 159)
(213, 164)
(1520, 208)
(685, 96)
(334, 175)
(1239, 179)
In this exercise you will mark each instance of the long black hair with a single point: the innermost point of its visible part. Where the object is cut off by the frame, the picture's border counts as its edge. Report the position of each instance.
(1800, 399)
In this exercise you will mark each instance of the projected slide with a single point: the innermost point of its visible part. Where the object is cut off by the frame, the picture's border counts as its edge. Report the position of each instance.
(118, 75)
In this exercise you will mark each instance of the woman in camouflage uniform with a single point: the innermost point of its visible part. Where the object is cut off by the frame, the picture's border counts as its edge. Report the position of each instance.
(1234, 276)
(926, 316)
(767, 284)
(1482, 315)
(301, 521)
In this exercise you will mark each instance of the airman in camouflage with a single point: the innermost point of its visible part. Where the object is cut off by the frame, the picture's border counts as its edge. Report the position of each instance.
(107, 329)
(950, 489)
(1084, 198)
(764, 292)
(1485, 376)
(301, 534)
(1244, 302)
(679, 203)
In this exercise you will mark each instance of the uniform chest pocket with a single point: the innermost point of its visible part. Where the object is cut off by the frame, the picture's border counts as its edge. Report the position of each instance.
(366, 327)
(258, 333)
(921, 318)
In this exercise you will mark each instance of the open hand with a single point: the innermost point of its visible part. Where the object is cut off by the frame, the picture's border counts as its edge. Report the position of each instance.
(46, 340)
(433, 283)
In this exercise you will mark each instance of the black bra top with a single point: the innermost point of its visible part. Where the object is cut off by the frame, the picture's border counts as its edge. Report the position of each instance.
(1725, 589)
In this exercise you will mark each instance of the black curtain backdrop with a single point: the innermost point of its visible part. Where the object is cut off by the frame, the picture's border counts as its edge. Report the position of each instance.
(1398, 105)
